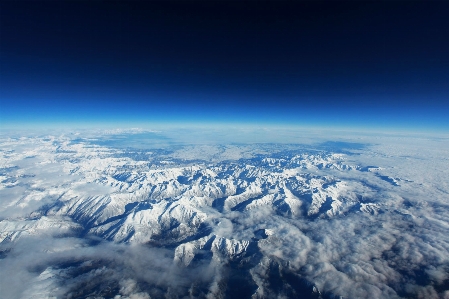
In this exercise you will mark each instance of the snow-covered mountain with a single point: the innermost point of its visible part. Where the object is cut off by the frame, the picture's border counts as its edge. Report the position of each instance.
(281, 220)
(178, 199)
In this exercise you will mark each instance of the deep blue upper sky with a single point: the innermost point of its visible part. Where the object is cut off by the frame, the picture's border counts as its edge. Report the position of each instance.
(328, 63)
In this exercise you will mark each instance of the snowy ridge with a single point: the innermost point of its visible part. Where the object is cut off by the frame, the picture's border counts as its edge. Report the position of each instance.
(219, 246)
(138, 199)
(11, 230)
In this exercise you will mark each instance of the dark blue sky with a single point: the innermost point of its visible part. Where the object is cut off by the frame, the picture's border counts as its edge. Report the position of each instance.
(382, 64)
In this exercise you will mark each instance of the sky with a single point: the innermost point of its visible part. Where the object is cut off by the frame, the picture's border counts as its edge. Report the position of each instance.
(333, 64)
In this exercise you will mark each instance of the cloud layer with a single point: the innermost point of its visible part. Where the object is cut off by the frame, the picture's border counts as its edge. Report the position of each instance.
(262, 220)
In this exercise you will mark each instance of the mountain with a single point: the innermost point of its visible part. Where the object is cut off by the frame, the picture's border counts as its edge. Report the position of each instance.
(278, 220)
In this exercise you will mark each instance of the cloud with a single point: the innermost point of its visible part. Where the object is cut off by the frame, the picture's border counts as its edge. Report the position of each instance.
(79, 267)
(398, 247)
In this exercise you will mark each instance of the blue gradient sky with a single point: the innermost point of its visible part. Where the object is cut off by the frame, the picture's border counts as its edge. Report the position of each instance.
(334, 64)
